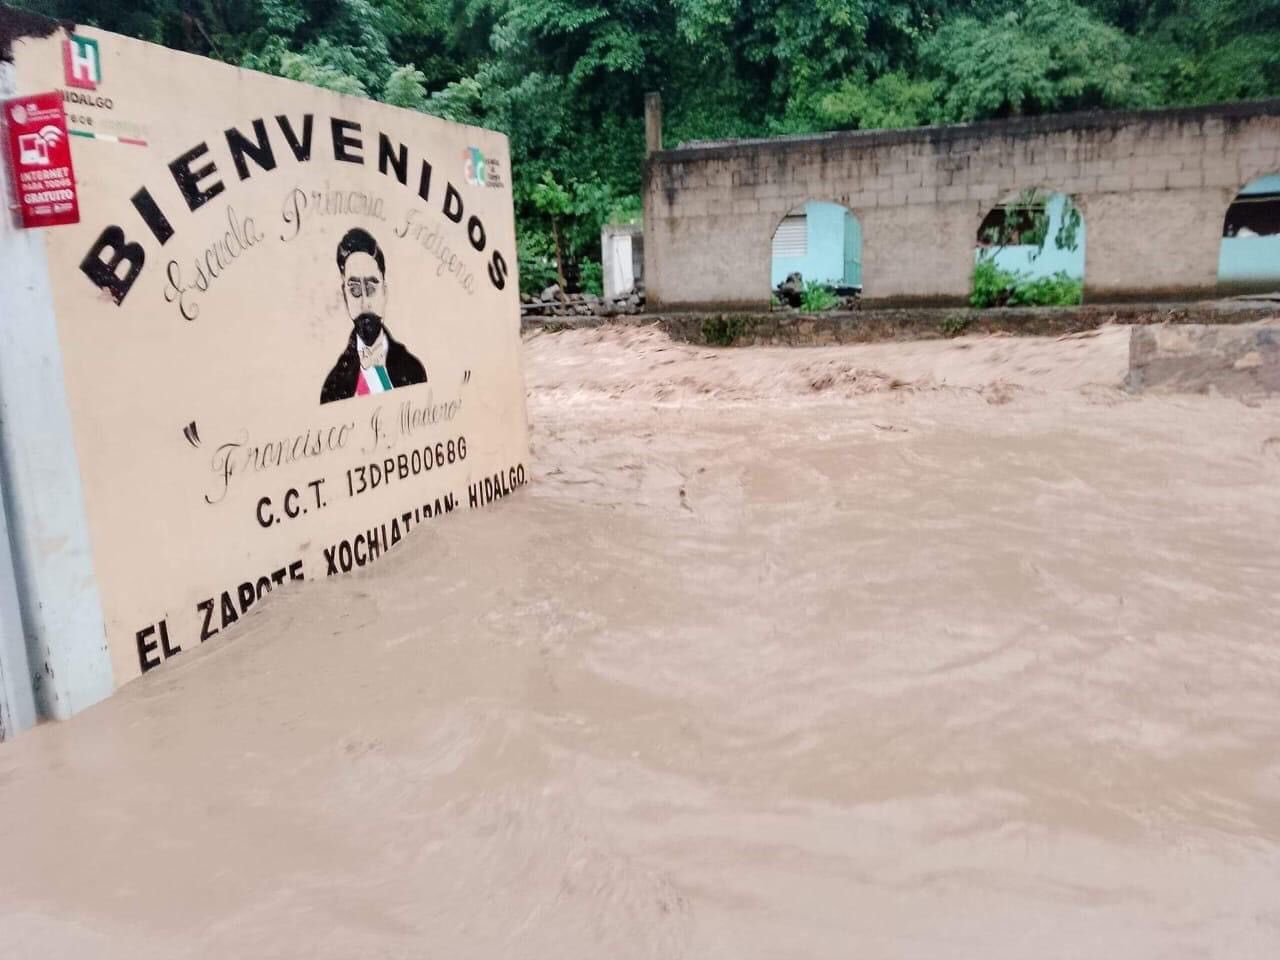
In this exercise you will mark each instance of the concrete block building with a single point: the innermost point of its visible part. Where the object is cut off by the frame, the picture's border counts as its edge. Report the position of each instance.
(1154, 188)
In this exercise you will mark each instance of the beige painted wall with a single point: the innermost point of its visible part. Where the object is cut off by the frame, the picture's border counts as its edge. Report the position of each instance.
(174, 536)
(1154, 187)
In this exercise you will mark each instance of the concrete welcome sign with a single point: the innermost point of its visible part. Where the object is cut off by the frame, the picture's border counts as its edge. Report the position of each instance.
(283, 335)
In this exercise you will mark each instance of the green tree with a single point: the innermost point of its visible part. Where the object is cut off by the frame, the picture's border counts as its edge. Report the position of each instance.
(893, 100)
(1045, 56)
(406, 87)
(1211, 50)
(553, 202)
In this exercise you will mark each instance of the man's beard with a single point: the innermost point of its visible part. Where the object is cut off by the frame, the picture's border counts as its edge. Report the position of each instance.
(368, 328)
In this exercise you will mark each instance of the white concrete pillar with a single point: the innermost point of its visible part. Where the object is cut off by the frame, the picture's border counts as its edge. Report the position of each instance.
(17, 702)
(46, 550)
(616, 257)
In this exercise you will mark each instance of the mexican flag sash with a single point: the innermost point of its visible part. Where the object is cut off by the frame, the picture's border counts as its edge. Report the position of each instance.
(373, 380)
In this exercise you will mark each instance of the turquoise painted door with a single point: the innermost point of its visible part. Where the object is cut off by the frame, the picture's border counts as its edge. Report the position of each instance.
(852, 251)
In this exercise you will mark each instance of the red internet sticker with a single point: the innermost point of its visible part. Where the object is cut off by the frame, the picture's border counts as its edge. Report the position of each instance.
(44, 184)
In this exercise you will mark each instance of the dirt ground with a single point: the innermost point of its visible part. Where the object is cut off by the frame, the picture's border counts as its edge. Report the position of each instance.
(946, 649)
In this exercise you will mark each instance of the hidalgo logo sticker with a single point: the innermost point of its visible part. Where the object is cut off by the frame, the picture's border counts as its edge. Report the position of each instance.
(81, 62)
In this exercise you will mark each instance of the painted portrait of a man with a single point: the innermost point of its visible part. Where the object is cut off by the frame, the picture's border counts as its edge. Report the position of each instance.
(373, 361)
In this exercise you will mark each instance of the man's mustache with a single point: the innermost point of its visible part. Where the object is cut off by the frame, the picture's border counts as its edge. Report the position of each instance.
(366, 318)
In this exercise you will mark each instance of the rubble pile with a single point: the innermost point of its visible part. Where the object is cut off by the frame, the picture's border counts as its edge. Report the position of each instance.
(789, 294)
(554, 302)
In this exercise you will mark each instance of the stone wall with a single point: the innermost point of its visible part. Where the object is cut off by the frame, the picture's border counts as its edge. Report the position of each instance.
(1241, 361)
(1153, 187)
(792, 328)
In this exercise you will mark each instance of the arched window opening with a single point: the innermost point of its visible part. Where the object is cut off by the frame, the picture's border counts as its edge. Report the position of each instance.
(1249, 258)
(1030, 252)
(817, 258)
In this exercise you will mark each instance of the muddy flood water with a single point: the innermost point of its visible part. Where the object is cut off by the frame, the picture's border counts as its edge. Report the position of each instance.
(948, 649)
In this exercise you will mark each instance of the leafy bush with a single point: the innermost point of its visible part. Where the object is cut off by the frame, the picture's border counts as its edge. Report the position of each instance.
(591, 277)
(954, 325)
(996, 287)
(1059, 290)
(536, 255)
(991, 285)
(817, 298)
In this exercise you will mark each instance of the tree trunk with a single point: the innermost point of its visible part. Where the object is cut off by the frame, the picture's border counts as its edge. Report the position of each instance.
(555, 236)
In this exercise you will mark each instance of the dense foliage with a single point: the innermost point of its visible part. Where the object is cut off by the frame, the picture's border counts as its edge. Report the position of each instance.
(994, 286)
(566, 78)
(817, 297)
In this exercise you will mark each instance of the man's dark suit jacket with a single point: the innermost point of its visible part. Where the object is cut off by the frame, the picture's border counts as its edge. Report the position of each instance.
(402, 367)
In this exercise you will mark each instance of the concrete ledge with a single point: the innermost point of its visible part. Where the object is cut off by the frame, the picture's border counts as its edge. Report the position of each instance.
(985, 129)
(1234, 361)
(784, 328)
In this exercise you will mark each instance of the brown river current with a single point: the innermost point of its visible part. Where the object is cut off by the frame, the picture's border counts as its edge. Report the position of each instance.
(929, 650)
